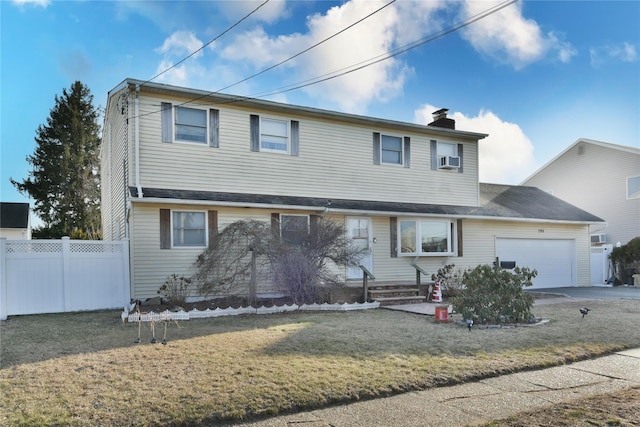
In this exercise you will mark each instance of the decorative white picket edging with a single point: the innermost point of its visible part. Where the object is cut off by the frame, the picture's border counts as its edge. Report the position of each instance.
(221, 312)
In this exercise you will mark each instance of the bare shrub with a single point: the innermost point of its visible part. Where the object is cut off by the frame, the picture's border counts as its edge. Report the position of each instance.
(230, 264)
(450, 279)
(176, 289)
(300, 267)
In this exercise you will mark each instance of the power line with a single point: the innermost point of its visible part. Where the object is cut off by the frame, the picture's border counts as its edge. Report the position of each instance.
(350, 69)
(384, 57)
(206, 44)
(268, 68)
(307, 49)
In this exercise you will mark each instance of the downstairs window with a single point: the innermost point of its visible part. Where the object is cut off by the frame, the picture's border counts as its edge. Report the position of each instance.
(426, 237)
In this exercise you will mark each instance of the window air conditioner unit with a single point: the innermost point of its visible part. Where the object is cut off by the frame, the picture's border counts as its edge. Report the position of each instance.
(599, 238)
(449, 162)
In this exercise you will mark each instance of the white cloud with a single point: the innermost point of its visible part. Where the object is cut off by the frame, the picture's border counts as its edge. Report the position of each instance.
(372, 38)
(509, 38)
(181, 44)
(625, 52)
(175, 48)
(505, 156)
(38, 3)
(269, 13)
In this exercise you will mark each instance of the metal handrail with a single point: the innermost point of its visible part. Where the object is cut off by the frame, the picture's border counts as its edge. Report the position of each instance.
(419, 270)
(366, 275)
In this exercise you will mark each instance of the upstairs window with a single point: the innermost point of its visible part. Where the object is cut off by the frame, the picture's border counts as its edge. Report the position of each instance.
(426, 237)
(191, 125)
(391, 147)
(633, 187)
(391, 150)
(274, 135)
(446, 156)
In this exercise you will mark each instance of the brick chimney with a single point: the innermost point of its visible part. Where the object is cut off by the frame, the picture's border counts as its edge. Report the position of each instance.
(440, 119)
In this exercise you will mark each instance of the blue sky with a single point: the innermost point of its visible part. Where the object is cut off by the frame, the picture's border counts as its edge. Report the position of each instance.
(535, 76)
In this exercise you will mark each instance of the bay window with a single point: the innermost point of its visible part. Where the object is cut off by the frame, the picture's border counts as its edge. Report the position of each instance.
(426, 237)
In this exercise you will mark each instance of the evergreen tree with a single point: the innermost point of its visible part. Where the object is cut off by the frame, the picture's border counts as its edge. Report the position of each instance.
(65, 176)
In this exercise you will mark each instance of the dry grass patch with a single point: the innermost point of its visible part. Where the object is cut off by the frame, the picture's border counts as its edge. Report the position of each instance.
(78, 369)
(612, 409)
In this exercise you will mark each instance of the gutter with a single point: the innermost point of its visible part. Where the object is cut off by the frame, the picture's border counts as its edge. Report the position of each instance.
(137, 142)
(354, 212)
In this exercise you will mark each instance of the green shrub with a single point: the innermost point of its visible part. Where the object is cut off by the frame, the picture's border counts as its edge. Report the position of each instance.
(627, 256)
(495, 295)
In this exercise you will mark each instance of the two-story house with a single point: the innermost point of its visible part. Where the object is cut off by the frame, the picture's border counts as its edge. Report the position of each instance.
(602, 178)
(180, 164)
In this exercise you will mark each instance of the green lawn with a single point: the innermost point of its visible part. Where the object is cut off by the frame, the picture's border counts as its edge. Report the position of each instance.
(84, 369)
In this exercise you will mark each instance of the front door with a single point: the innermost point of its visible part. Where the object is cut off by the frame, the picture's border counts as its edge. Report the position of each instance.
(359, 232)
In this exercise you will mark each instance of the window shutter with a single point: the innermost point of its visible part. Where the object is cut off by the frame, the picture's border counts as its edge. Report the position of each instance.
(255, 132)
(212, 217)
(275, 224)
(167, 121)
(459, 226)
(313, 226)
(295, 138)
(434, 154)
(393, 231)
(214, 128)
(165, 229)
(460, 154)
(407, 152)
(376, 148)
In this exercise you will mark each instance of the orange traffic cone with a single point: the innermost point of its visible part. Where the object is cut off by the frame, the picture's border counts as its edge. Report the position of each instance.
(437, 293)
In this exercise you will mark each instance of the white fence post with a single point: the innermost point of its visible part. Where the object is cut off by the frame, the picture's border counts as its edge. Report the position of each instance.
(3, 278)
(66, 272)
(126, 274)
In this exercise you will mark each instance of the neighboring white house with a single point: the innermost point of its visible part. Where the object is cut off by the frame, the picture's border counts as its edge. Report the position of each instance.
(179, 164)
(601, 178)
(14, 221)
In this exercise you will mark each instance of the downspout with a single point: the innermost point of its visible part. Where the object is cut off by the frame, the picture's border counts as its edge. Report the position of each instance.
(137, 143)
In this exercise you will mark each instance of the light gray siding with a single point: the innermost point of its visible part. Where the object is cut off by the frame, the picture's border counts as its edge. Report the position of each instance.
(335, 161)
(115, 166)
(593, 177)
(153, 264)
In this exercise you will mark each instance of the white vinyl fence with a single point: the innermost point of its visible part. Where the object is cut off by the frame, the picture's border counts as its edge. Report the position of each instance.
(600, 265)
(54, 276)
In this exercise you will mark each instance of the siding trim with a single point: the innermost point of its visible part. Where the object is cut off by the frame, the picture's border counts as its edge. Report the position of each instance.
(407, 152)
(376, 148)
(434, 154)
(275, 223)
(295, 138)
(393, 236)
(214, 128)
(167, 121)
(459, 233)
(254, 124)
(212, 219)
(165, 228)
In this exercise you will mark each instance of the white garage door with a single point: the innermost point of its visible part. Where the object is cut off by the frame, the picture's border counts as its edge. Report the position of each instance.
(555, 260)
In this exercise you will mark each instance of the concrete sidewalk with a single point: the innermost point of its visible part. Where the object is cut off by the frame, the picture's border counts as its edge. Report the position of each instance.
(479, 401)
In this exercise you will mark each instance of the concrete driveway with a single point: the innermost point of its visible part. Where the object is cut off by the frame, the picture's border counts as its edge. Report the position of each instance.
(594, 292)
